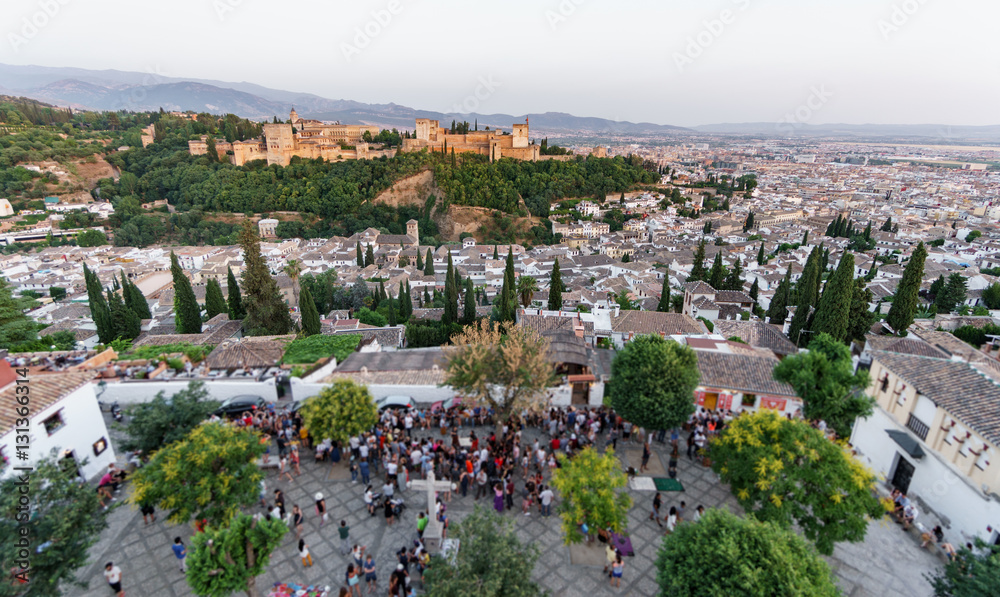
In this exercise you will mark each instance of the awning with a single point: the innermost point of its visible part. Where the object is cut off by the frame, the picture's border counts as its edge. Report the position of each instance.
(580, 378)
(910, 445)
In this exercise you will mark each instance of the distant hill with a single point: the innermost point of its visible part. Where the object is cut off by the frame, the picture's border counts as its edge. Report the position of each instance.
(940, 133)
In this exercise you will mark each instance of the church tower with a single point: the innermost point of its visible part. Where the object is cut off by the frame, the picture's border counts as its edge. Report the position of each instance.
(293, 116)
(413, 232)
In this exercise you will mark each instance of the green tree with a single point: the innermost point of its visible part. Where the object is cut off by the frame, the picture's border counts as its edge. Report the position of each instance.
(952, 295)
(152, 425)
(860, 319)
(236, 311)
(805, 291)
(266, 312)
(785, 471)
(214, 301)
(717, 275)
(991, 296)
(124, 323)
(187, 313)
(973, 573)
(724, 554)
(833, 311)
(904, 304)
(57, 293)
(15, 326)
(293, 269)
(761, 259)
(493, 562)
(592, 488)
(420, 260)
(134, 299)
(624, 301)
(937, 286)
(339, 411)
(653, 381)
(506, 368)
(825, 379)
(64, 520)
(210, 474)
(369, 317)
(99, 311)
(224, 560)
(450, 314)
(555, 288)
(369, 256)
(734, 280)
(429, 263)
(360, 257)
(507, 306)
(91, 238)
(526, 289)
(310, 315)
(664, 305)
(698, 269)
(469, 308)
(777, 311)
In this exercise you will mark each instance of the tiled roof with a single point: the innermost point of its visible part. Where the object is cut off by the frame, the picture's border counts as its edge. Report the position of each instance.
(542, 324)
(258, 351)
(651, 322)
(732, 296)
(746, 373)
(757, 334)
(904, 346)
(699, 287)
(955, 386)
(46, 390)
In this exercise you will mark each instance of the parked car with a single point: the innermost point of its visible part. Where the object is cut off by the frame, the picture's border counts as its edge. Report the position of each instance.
(396, 402)
(237, 405)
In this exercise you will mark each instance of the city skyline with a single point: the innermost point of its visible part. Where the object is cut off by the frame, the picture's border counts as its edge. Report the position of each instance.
(686, 64)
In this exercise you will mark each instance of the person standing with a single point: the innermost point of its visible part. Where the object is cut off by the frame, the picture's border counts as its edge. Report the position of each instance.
(498, 498)
(657, 503)
(181, 552)
(345, 534)
(671, 520)
(617, 569)
(546, 497)
(113, 574)
(370, 578)
(307, 559)
(297, 520)
(481, 483)
(645, 457)
(320, 508)
(698, 513)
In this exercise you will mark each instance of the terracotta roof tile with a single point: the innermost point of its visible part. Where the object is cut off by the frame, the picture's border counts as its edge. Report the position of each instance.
(46, 390)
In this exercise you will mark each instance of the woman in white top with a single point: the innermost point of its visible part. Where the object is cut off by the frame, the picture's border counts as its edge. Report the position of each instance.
(672, 519)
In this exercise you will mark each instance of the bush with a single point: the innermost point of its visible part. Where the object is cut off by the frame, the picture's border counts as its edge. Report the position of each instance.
(306, 351)
(194, 353)
(369, 317)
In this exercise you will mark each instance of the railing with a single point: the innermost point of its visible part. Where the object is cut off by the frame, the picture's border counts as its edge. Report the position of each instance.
(917, 426)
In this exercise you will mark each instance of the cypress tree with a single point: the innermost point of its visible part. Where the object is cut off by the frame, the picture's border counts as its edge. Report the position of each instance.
(236, 311)
(214, 303)
(360, 255)
(134, 299)
(777, 311)
(904, 305)
(369, 256)
(754, 293)
(496, 255)
(469, 308)
(733, 280)
(698, 269)
(187, 313)
(860, 318)
(391, 308)
(310, 314)
(429, 264)
(420, 260)
(555, 288)
(426, 300)
(508, 298)
(99, 311)
(805, 238)
(937, 286)
(664, 305)
(806, 295)
(717, 275)
(267, 313)
(760, 255)
(834, 308)
(124, 323)
(450, 314)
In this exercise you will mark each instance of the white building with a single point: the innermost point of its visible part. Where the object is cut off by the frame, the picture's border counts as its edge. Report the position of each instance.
(63, 415)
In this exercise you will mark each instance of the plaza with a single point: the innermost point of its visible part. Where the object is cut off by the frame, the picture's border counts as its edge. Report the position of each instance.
(887, 564)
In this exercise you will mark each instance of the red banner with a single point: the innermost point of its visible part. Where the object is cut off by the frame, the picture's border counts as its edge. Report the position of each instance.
(699, 398)
(773, 403)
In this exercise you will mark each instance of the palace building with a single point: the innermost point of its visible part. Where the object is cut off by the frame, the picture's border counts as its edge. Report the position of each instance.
(494, 143)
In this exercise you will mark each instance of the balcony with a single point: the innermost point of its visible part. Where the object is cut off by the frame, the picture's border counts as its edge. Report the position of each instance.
(918, 427)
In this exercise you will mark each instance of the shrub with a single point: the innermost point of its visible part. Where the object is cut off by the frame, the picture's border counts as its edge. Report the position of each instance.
(306, 351)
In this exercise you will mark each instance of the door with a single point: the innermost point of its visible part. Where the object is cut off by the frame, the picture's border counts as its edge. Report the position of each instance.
(903, 475)
(711, 399)
(581, 394)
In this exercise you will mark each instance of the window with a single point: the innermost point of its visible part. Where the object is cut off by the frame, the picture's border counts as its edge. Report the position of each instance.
(917, 426)
(100, 446)
(54, 423)
(749, 399)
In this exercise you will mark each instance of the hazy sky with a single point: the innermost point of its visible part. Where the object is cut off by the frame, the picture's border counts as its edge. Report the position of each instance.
(683, 62)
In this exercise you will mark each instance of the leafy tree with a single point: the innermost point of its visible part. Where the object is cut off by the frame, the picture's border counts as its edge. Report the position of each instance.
(973, 573)
(734, 280)
(369, 317)
(64, 520)
(134, 299)
(937, 286)
(785, 471)
(624, 301)
(832, 313)
(507, 307)
(225, 560)
(592, 489)
(124, 322)
(777, 311)
(493, 562)
(187, 313)
(724, 554)
(310, 315)
(717, 275)
(91, 238)
(887, 226)
(469, 308)
(152, 425)
(429, 264)
(991, 296)
(698, 271)
(99, 311)
(293, 269)
(904, 305)
(826, 381)
(664, 305)
(57, 293)
(266, 312)
(555, 288)
(860, 319)
(15, 326)
(952, 295)
(339, 411)
(749, 223)
(236, 310)
(653, 381)
(503, 367)
(369, 256)
(526, 289)
(210, 474)
(214, 302)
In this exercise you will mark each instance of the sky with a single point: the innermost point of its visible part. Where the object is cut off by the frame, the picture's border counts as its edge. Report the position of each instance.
(680, 62)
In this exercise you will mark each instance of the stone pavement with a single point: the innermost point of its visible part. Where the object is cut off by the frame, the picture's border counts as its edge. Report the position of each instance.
(887, 564)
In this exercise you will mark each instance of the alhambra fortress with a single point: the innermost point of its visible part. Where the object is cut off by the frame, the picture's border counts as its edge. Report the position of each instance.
(315, 139)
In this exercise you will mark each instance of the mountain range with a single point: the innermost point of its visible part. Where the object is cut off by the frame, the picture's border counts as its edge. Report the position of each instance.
(137, 91)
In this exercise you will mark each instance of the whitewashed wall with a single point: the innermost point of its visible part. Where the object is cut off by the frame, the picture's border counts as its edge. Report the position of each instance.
(138, 391)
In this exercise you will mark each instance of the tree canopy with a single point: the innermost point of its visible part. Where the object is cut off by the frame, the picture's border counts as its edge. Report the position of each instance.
(340, 411)
(592, 489)
(653, 381)
(973, 573)
(162, 421)
(266, 312)
(224, 560)
(904, 304)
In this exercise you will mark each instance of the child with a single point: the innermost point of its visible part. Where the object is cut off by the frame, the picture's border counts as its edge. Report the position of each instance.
(181, 552)
(307, 559)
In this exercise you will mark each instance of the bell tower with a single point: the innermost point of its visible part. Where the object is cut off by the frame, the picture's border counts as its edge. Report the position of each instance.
(413, 231)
